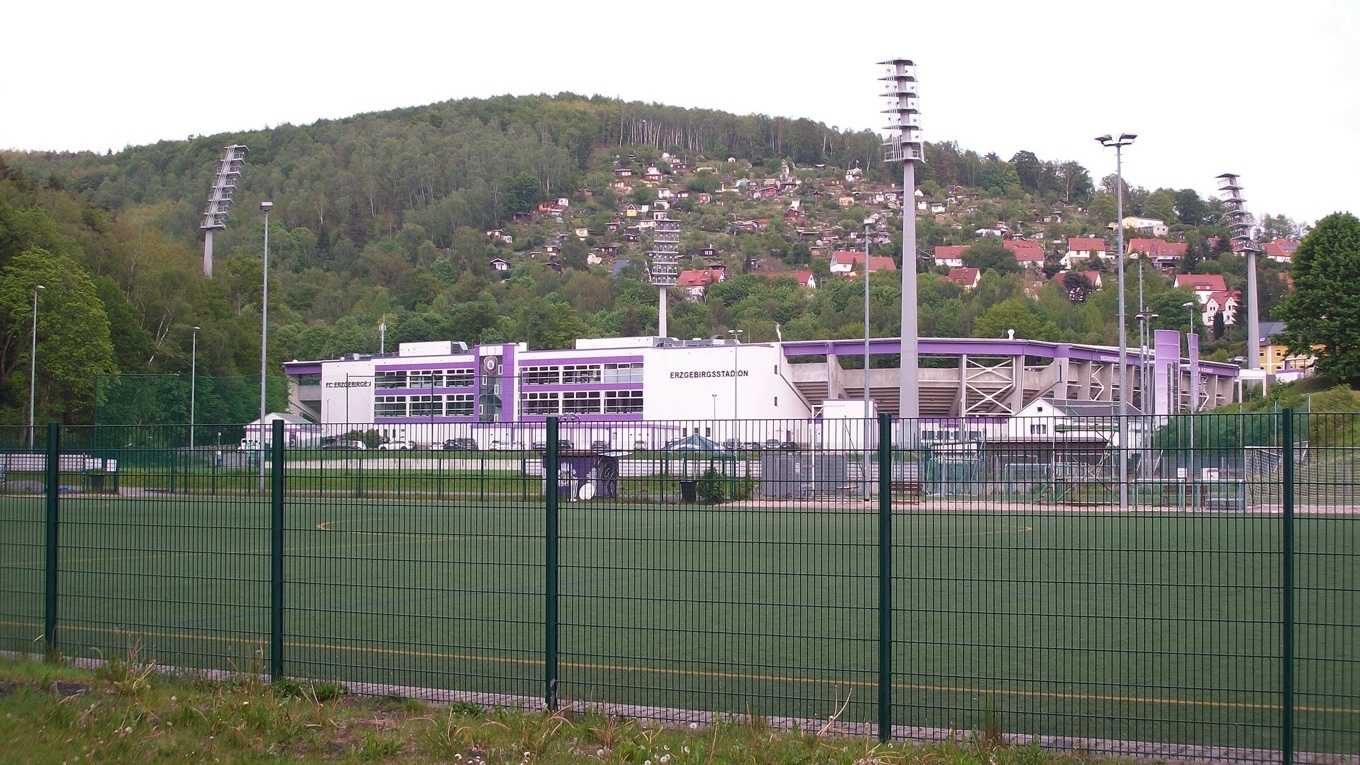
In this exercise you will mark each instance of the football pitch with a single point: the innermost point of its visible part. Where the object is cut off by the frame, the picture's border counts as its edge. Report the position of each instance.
(1159, 627)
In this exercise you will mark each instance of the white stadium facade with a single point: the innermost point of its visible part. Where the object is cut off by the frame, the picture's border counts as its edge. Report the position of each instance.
(641, 392)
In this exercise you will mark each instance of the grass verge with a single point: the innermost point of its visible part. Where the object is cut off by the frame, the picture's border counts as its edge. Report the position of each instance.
(123, 712)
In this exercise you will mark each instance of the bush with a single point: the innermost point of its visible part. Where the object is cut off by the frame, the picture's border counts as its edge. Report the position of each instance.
(709, 487)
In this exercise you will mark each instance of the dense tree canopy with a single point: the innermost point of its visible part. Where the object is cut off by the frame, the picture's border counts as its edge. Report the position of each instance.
(1322, 315)
(385, 218)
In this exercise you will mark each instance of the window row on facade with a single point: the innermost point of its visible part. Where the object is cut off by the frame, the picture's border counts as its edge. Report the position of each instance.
(581, 402)
(581, 374)
(423, 378)
(451, 405)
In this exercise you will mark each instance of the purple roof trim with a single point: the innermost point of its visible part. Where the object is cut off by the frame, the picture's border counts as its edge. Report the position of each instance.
(427, 365)
(301, 368)
(953, 346)
(423, 391)
(533, 362)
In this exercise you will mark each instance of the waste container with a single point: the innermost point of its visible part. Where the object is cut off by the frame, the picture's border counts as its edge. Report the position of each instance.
(688, 492)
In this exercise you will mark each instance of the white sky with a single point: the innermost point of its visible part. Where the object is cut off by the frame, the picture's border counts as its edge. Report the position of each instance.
(1267, 90)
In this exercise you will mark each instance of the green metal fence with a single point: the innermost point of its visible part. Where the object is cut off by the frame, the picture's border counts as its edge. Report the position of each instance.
(885, 578)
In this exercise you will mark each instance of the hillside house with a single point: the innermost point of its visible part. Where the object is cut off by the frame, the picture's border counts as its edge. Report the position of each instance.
(1203, 285)
(1280, 250)
(1158, 252)
(695, 281)
(1081, 248)
(1077, 293)
(966, 278)
(848, 262)
(1148, 226)
(1028, 254)
(950, 255)
(1224, 302)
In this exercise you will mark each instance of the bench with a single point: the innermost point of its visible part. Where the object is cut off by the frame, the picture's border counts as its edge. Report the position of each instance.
(911, 489)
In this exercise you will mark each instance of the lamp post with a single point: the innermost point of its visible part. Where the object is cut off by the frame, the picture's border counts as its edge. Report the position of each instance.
(33, 365)
(864, 466)
(1119, 143)
(1144, 336)
(1190, 400)
(264, 331)
(193, 386)
(736, 340)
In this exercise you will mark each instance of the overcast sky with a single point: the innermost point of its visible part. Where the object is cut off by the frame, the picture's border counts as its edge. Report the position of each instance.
(1267, 90)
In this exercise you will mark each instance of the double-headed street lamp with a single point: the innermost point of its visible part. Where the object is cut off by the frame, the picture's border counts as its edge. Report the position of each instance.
(1119, 143)
(33, 365)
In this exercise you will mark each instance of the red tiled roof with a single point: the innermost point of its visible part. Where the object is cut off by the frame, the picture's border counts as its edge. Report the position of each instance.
(1085, 244)
(697, 277)
(1092, 278)
(1158, 248)
(854, 259)
(1201, 282)
(950, 251)
(1280, 249)
(965, 277)
(1025, 250)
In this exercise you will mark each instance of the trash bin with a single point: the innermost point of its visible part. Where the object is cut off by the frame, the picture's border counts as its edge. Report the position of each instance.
(96, 481)
(688, 493)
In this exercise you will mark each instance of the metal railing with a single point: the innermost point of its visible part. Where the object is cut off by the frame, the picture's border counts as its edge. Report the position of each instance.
(902, 580)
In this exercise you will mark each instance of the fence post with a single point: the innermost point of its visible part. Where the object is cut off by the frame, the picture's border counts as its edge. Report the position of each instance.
(276, 555)
(53, 470)
(885, 604)
(1287, 594)
(550, 468)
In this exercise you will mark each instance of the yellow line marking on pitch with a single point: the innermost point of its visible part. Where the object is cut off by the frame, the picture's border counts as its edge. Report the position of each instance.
(714, 674)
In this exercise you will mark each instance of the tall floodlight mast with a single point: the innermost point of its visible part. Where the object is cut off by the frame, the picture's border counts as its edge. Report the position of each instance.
(665, 254)
(904, 145)
(220, 198)
(1241, 224)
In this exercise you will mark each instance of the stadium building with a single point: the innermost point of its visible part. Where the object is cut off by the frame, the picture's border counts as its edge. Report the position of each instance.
(641, 392)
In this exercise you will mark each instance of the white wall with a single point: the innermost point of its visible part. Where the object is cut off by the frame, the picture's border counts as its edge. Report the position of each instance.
(347, 392)
(712, 385)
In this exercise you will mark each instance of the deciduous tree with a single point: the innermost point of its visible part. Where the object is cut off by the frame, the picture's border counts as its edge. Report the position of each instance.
(1322, 315)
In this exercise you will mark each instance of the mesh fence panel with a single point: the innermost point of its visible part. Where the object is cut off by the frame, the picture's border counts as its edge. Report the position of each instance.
(1206, 608)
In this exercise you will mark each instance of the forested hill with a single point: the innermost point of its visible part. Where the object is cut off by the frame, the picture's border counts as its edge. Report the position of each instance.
(385, 218)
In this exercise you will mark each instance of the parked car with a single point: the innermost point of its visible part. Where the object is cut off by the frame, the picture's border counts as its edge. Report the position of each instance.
(562, 445)
(789, 446)
(344, 445)
(460, 445)
(396, 446)
(600, 446)
(772, 444)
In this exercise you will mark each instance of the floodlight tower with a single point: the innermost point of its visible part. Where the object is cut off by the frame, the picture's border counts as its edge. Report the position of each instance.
(665, 254)
(1242, 225)
(219, 199)
(904, 145)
